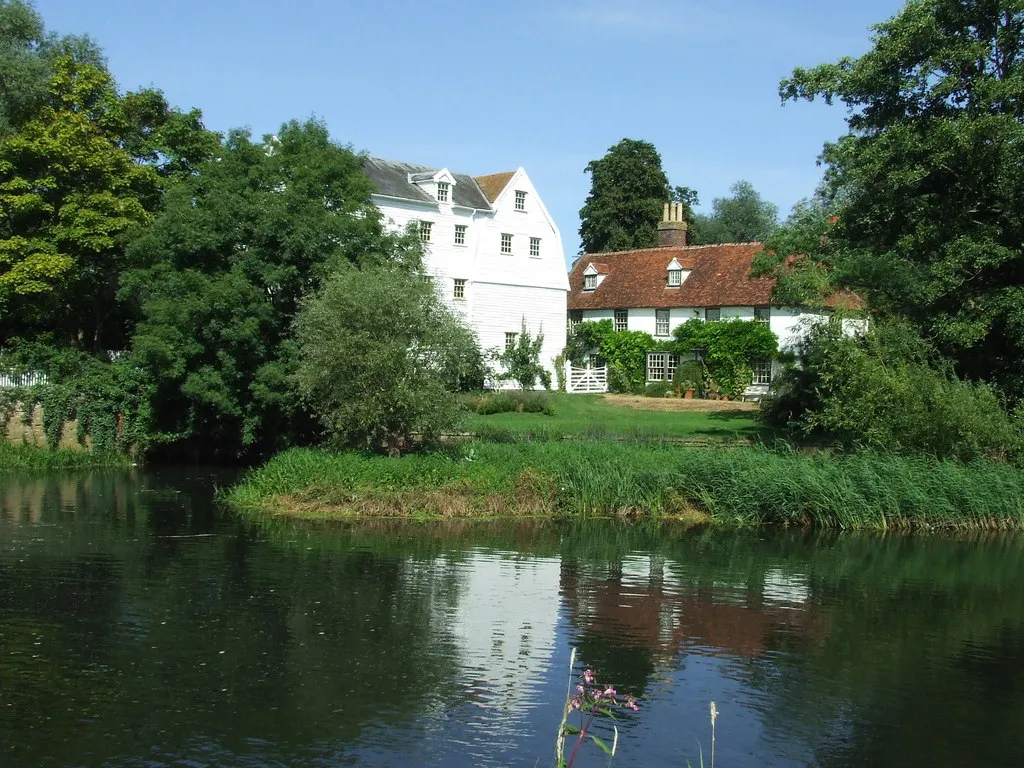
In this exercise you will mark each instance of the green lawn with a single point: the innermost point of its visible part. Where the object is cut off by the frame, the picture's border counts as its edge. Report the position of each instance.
(593, 416)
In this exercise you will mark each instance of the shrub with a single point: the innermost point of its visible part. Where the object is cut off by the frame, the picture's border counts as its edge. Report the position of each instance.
(522, 361)
(657, 389)
(691, 371)
(882, 391)
(514, 402)
(381, 358)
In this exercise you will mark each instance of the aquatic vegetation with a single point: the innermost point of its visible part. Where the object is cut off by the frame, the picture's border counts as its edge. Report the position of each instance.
(732, 486)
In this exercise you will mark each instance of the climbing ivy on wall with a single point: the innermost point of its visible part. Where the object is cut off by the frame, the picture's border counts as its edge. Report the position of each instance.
(110, 401)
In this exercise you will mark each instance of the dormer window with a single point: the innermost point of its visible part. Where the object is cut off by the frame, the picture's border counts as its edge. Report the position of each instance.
(675, 274)
(442, 191)
(589, 282)
(520, 200)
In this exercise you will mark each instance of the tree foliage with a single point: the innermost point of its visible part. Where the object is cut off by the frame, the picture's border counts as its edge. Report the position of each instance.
(628, 190)
(928, 183)
(888, 390)
(742, 218)
(521, 360)
(221, 273)
(85, 169)
(381, 358)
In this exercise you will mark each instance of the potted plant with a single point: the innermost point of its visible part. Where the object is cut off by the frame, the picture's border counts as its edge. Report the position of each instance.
(687, 387)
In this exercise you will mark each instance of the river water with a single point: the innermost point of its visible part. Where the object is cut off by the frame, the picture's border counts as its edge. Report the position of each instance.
(142, 625)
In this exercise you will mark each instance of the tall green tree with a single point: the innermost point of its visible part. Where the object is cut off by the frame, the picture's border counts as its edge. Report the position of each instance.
(628, 190)
(27, 56)
(222, 271)
(743, 217)
(929, 182)
(83, 170)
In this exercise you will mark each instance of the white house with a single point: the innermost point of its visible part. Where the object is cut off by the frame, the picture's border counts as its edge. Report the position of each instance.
(492, 248)
(658, 289)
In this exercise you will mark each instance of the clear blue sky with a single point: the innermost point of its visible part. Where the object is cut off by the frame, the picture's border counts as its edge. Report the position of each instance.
(481, 87)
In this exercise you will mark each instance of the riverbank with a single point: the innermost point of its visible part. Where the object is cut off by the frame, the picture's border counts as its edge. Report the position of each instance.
(727, 486)
(21, 457)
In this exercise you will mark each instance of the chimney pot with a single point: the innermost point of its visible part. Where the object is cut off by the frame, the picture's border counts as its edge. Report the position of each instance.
(672, 229)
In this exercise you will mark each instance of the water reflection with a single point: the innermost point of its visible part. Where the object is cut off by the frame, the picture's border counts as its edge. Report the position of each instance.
(140, 625)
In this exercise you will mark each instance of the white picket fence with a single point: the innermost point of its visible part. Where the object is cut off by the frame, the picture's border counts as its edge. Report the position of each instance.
(586, 379)
(12, 380)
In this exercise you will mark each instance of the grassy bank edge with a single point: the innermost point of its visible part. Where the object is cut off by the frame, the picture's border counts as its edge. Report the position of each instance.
(30, 457)
(723, 486)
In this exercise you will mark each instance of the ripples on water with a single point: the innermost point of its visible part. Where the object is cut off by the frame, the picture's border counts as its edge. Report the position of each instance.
(142, 626)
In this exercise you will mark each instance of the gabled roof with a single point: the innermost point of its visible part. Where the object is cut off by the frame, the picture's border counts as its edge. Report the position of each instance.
(392, 179)
(493, 185)
(719, 277)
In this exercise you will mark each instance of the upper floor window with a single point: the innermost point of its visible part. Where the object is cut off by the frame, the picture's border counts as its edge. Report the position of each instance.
(520, 200)
(459, 291)
(510, 340)
(621, 319)
(506, 242)
(763, 315)
(442, 191)
(661, 322)
(425, 229)
(589, 282)
(713, 314)
(675, 278)
(575, 318)
(535, 247)
(460, 234)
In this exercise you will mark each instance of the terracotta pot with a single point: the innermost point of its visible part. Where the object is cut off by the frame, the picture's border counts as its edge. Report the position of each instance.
(689, 394)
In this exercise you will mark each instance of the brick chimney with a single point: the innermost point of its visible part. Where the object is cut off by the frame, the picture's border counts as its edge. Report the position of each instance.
(672, 227)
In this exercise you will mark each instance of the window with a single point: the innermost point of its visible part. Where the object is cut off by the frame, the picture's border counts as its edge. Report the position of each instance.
(594, 360)
(762, 371)
(506, 243)
(442, 191)
(425, 228)
(520, 200)
(575, 318)
(675, 278)
(589, 282)
(763, 315)
(460, 234)
(510, 340)
(661, 366)
(713, 314)
(661, 322)
(535, 247)
(459, 291)
(621, 319)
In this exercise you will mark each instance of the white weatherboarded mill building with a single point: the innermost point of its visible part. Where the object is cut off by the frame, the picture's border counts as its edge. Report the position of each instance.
(492, 248)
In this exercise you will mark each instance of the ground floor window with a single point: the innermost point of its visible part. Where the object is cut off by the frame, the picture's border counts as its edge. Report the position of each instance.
(762, 371)
(575, 318)
(661, 366)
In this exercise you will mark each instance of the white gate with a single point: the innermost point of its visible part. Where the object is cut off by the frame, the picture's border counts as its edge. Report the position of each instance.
(586, 379)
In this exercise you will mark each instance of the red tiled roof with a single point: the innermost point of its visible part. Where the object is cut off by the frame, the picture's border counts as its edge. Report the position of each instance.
(493, 185)
(719, 277)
